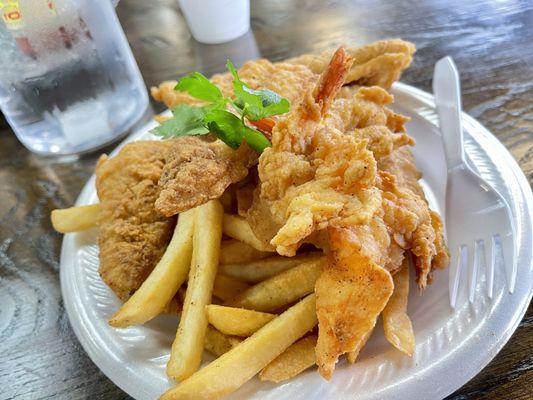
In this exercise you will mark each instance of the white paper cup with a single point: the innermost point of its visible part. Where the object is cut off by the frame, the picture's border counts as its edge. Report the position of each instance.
(216, 21)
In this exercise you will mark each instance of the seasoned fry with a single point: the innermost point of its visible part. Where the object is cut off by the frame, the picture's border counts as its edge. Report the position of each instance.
(164, 281)
(281, 289)
(232, 251)
(227, 288)
(231, 370)
(236, 321)
(259, 270)
(75, 219)
(186, 353)
(238, 228)
(396, 323)
(217, 343)
(297, 358)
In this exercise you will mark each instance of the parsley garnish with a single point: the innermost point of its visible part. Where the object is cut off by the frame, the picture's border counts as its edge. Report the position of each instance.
(214, 118)
(256, 104)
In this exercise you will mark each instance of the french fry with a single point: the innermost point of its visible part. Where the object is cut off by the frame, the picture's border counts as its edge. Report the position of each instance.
(297, 358)
(232, 251)
(236, 321)
(186, 353)
(258, 270)
(164, 281)
(227, 288)
(281, 289)
(217, 343)
(231, 370)
(238, 228)
(75, 219)
(396, 323)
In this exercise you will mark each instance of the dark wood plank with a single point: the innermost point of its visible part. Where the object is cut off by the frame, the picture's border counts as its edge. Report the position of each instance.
(490, 41)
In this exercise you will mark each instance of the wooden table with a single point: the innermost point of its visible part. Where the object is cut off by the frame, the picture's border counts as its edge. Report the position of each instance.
(491, 42)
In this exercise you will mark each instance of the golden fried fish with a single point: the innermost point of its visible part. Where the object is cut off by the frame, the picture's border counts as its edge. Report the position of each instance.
(133, 235)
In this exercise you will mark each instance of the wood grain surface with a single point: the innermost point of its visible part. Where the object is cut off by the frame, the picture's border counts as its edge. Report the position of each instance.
(491, 41)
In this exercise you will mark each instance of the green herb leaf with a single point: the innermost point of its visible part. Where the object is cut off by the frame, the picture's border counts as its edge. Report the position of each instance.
(248, 103)
(231, 68)
(186, 120)
(227, 126)
(231, 130)
(256, 104)
(273, 103)
(255, 139)
(200, 87)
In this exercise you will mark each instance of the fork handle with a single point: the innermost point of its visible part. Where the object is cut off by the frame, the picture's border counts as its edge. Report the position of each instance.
(447, 90)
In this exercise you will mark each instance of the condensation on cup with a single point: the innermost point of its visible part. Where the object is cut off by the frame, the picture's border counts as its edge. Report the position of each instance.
(68, 80)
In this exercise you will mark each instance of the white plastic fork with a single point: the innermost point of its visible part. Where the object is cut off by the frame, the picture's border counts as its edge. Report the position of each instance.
(479, 223)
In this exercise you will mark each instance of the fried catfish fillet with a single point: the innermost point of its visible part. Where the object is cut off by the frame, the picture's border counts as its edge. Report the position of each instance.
(133, 235)
(351, 292)
(197, 170)
(380, 63)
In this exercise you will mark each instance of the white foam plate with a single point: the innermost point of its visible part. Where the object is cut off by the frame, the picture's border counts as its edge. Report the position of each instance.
(451, 345)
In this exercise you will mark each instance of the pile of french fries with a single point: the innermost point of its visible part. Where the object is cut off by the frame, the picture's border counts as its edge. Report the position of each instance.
(250, 307)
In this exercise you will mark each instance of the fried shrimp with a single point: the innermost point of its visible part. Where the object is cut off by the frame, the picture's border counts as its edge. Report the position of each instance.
(326, 180)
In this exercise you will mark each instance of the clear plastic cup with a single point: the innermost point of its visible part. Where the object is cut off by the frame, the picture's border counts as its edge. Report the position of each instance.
(216, 21)
(68, 80)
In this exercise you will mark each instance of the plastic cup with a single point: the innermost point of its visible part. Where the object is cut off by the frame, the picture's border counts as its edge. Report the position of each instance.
(216, 21)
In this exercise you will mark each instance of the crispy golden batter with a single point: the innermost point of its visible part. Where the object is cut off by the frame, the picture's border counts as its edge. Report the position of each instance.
(380, 63)
(315, 175)
(412, 224)
(290, 80)
(198, 170)
(166, 94)
(323, 170)
(133, 236)
(351, 292)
